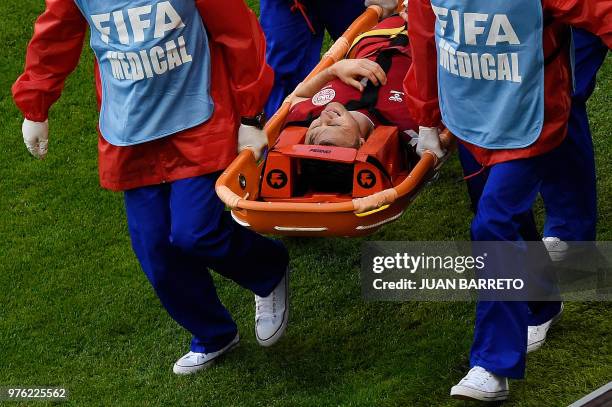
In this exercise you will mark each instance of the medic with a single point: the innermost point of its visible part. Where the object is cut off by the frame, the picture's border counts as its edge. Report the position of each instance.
(570, 196)
(172, 88)
(513, 128)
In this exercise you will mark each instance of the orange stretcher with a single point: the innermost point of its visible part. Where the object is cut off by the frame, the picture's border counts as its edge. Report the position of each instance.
(261, 195)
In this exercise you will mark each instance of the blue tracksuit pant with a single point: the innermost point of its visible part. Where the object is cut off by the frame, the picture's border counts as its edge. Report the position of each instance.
(180, 231)
(502, 197)
(504, 194)
(571, 199)
(292, 49)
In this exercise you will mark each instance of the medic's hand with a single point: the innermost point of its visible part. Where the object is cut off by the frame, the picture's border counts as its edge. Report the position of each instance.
(352, 71)
(388, 6)
(36, 137)
(429, 139)
(252, 138)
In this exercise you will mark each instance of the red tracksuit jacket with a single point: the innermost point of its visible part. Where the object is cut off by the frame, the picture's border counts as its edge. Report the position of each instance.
(240, 84)
(421, 84)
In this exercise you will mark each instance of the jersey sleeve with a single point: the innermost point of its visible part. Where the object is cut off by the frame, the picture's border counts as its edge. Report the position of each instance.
(52, 54)
(594, 16)
(234, 28)
(421, 82)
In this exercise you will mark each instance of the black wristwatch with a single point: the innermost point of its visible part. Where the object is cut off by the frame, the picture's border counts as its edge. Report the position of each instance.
(258, 121)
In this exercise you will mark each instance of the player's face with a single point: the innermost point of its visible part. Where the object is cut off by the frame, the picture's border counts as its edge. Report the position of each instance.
(334, 127)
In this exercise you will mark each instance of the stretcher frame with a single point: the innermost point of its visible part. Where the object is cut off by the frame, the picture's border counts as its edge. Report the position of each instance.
(238, 186)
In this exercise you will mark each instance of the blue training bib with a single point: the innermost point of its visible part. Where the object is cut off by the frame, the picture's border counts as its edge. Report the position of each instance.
(154, 65)
(491, 70)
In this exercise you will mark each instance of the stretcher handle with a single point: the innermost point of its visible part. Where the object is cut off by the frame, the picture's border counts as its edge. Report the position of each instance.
(338, 50)
(426, 164)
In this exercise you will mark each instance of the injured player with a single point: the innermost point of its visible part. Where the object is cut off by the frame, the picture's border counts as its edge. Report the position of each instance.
(342, 104)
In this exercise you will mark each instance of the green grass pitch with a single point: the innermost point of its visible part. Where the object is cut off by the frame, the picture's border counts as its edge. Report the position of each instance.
(76, 311)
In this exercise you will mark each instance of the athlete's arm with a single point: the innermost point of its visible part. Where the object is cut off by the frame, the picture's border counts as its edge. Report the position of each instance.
(349, 71)
(594, 16)
(53, 53)
(310, 87)
(235, 29)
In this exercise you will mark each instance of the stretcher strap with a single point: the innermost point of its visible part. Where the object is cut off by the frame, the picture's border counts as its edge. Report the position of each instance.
(299, 6)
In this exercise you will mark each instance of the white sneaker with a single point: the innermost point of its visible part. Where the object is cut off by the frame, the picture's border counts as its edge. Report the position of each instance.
(557, 248)
(272, 313)
(480, 384)
(193, 362)
(536, 335)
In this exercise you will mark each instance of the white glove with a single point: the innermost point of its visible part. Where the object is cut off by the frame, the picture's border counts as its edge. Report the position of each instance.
(388, 6)
(36, 137)
(429, 139)
(252, 138)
